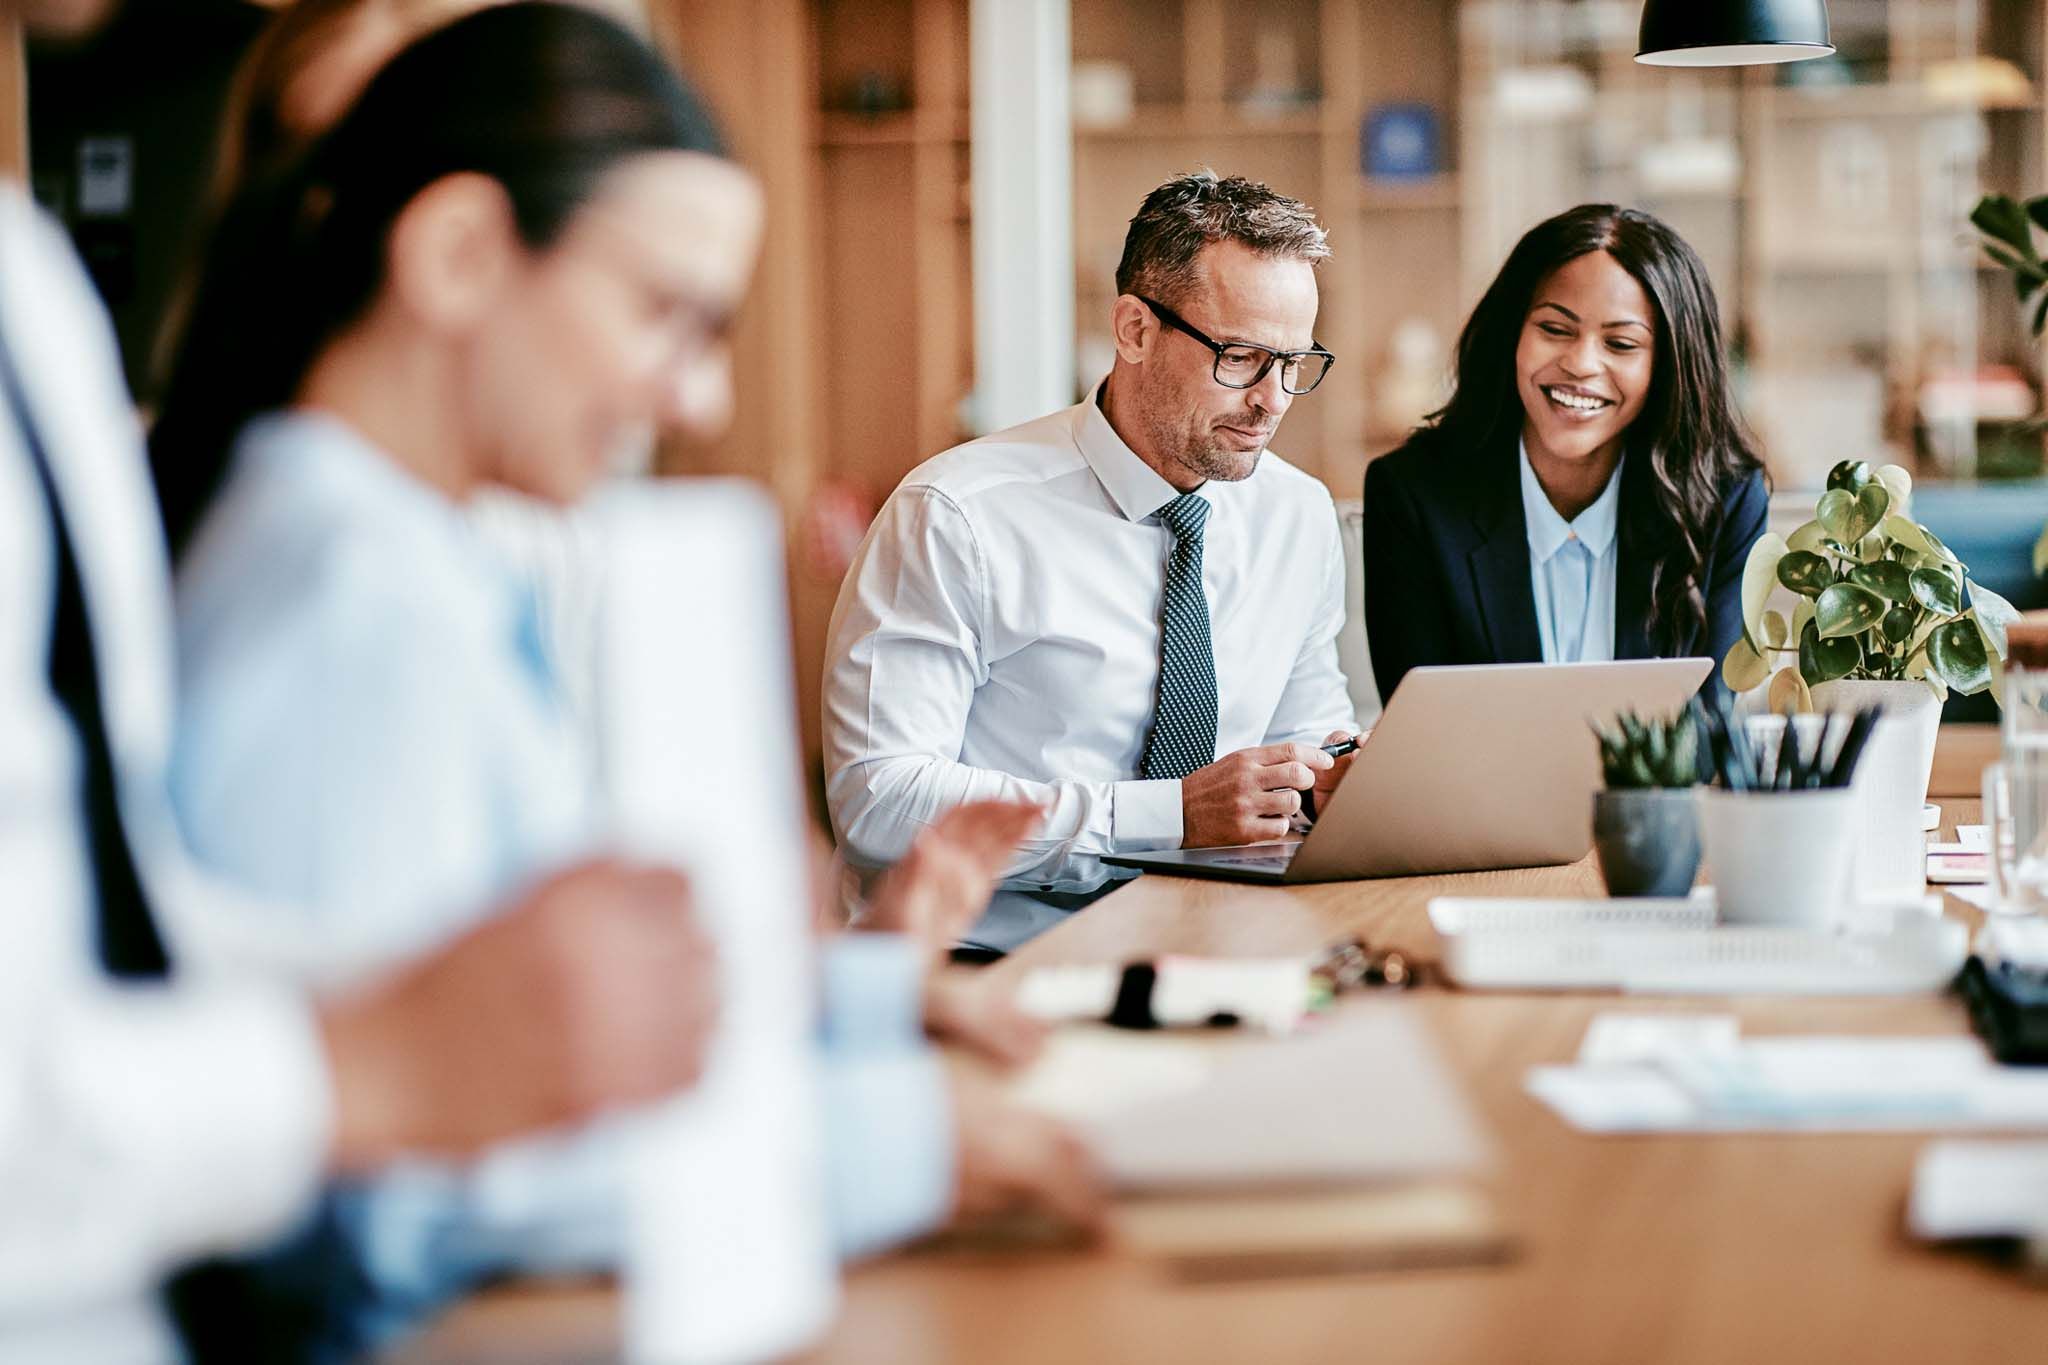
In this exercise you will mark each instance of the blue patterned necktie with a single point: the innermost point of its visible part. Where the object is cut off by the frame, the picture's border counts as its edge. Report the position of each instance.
(1183, 734)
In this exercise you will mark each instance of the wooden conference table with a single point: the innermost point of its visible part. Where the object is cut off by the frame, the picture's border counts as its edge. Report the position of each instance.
(1706, 1250)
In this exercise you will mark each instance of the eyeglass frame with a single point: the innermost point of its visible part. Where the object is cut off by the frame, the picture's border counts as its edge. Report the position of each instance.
(1173, 321)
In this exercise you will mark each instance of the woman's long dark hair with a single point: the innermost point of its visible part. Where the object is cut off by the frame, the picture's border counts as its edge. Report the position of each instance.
(1688, 441)
(544, 98)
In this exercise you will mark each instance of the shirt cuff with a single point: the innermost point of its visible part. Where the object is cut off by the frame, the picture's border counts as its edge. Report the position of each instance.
(1145, 816)
(889, 1152)
(221, 1097)
(873, 992)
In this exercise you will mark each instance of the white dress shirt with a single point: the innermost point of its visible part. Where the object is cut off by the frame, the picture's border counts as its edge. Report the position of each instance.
(139, 1125)
(998, 636)
(1549, 533)
(372, 729)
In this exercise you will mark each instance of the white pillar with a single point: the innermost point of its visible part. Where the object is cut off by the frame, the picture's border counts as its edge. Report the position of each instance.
(1023, 174)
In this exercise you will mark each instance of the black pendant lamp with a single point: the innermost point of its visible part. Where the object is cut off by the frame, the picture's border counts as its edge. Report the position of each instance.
(1732, 32)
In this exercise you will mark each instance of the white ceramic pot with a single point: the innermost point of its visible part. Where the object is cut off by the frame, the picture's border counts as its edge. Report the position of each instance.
(1778, 858)
(1891, 783)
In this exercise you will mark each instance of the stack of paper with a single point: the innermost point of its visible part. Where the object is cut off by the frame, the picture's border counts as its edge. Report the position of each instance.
(1677, 1076)
(1346, 1146)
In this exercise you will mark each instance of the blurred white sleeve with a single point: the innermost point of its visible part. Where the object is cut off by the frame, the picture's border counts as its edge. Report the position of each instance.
(139, 1127)
(143, 1127)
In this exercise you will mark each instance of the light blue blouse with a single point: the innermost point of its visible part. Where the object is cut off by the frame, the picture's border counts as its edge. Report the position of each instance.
(369, 728)
(1572, 570)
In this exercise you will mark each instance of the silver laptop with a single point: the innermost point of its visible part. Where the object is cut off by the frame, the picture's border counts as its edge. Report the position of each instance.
(1469, 769)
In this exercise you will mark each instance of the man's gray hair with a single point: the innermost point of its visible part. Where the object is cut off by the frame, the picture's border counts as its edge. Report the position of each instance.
(1190, 211)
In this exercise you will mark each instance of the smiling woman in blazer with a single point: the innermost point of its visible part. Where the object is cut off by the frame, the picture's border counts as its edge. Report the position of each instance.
(1588, 492)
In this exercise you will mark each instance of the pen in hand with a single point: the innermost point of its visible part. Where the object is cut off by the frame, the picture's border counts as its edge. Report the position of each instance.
(1337, 750)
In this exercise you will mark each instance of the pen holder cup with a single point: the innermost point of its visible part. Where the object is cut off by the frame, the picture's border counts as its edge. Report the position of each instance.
(1890, 855)
(1779, 858)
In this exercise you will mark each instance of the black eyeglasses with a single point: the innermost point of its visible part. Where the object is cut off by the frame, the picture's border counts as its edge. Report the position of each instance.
(1240, 365)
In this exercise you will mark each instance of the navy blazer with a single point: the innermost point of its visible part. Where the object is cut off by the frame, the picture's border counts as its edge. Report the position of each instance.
(1447, 578)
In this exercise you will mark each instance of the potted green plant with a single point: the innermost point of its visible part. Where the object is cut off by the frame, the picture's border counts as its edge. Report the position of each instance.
(1882, 614)
(1645, 824)
(2007, 225)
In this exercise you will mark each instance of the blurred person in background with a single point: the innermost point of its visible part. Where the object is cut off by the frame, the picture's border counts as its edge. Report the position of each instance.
(158, 1108)
(1588, 492)
(522, 240)
(305, 68)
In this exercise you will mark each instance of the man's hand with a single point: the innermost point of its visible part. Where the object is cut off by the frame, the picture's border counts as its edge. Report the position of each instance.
(942, 886)
(594, 991)
(1327, 780)
(1249, 796)
(1011, 1159)
(963, 1008)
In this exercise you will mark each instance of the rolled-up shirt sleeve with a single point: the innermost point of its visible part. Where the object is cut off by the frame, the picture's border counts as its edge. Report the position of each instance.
(902, 664)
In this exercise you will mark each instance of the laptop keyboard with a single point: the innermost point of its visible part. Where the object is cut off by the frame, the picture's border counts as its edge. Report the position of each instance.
(1277, 862)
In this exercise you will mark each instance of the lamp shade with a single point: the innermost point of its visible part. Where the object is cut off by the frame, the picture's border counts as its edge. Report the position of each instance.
(1732, 32)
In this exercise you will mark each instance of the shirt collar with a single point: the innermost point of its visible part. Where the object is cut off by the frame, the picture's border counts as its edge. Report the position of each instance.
(1134, 486)
(335, 475)
(1548, 531)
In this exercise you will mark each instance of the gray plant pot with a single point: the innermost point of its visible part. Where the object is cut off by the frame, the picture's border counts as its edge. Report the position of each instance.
(1648, 840)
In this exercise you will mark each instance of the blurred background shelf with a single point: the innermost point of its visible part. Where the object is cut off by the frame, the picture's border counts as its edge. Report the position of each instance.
(1829, 201)
(1429, 192)
(903, 128)
(1206, 120)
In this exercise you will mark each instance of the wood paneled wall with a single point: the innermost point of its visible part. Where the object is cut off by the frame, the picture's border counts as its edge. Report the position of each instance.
(13, 101)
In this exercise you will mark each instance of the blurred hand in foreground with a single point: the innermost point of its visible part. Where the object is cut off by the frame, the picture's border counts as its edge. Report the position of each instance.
(596, 990)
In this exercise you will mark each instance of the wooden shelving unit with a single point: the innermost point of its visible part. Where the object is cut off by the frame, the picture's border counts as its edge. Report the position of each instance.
(13, 100)
(1395, 243)
(904, 128)
(894, 314)
(856, 344)
(1440, 191)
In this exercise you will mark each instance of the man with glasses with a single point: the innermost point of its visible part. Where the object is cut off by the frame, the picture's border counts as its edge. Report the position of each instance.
(1126, 611)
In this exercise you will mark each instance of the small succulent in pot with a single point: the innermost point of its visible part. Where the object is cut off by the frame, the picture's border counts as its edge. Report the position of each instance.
(1645, 824)
(1637, 753)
